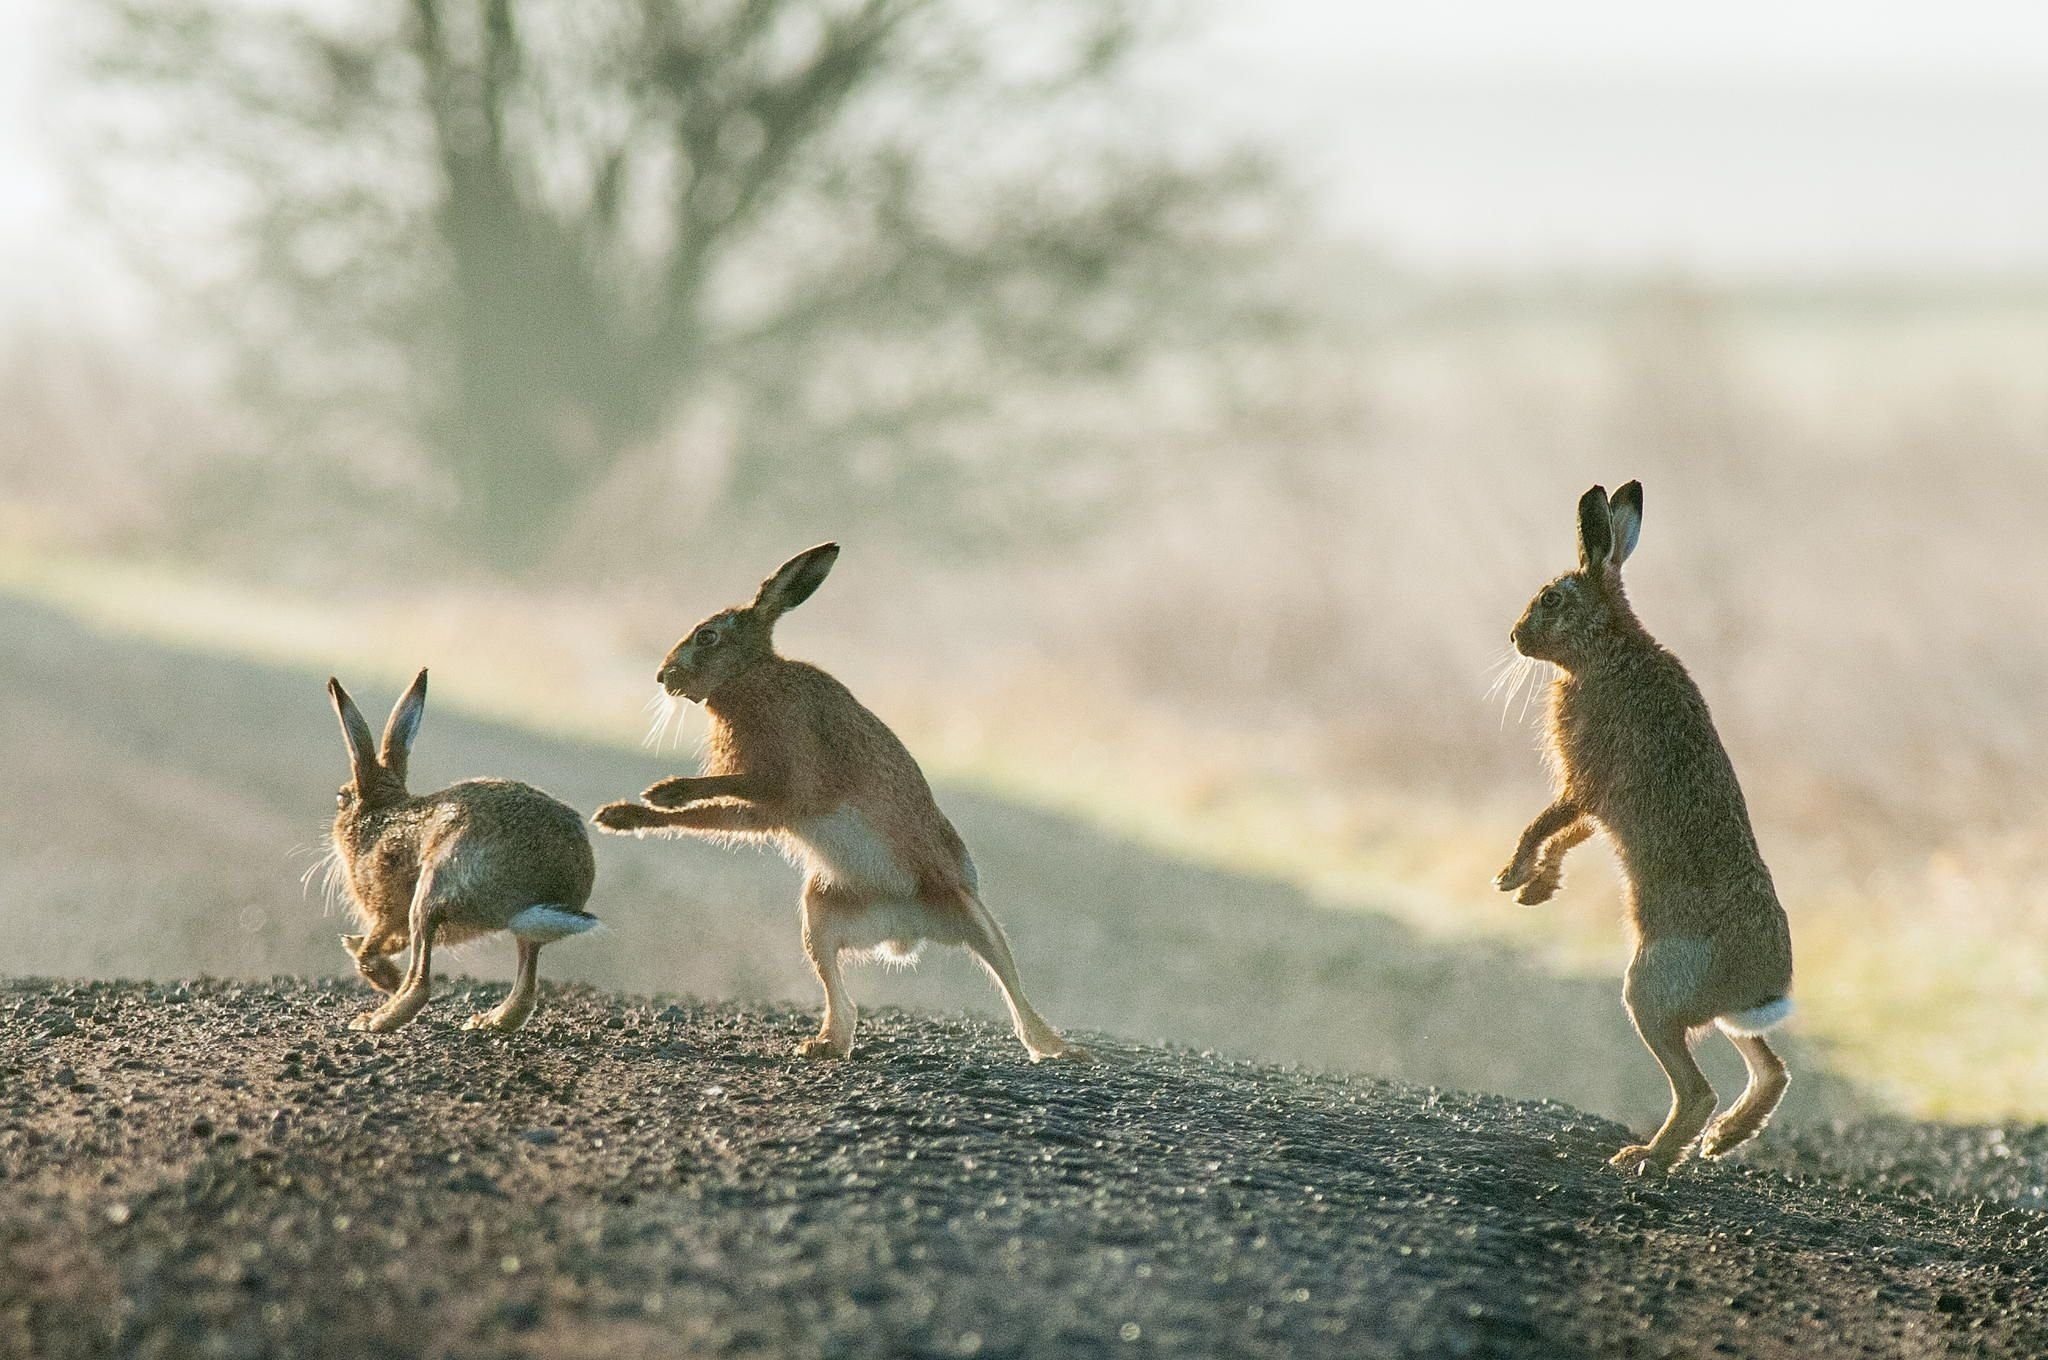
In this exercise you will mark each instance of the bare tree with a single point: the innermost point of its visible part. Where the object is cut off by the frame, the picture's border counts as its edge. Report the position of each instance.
(524, 234)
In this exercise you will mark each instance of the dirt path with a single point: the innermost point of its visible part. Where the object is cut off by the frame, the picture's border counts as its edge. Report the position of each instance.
(224, 1170)
(152, 799)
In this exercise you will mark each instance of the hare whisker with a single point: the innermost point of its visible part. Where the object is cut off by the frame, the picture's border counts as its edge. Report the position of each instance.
(1530, 685)
(1502, 670)
(661, 709)
(328, 869)
(1512, 676)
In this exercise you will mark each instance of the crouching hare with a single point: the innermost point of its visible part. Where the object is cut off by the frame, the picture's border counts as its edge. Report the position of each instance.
(476, 858)
(794, 759)
(1637, 755)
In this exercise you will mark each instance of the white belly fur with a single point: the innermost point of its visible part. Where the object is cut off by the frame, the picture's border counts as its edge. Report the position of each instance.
(890, 932)
(844, 850)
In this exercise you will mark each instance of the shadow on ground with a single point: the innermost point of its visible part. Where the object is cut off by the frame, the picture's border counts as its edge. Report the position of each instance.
(158, 807)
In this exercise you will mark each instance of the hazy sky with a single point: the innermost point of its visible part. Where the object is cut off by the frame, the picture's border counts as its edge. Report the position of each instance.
(1743, 137)
(1964, 39)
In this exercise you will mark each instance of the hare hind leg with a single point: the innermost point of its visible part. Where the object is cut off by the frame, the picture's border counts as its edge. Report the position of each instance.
(981, 935)
(518, 1004)
(824, 940)
(1661, 980)
(1746, 1118)
(1692, 1099)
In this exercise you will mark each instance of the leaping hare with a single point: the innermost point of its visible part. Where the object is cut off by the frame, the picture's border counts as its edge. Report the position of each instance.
(478, 857)
(1637, 755)
(793, 758)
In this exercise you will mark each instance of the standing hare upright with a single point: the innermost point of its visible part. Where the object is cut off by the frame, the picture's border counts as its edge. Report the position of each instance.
(1637, 755)
(794, 759)
(476, 858)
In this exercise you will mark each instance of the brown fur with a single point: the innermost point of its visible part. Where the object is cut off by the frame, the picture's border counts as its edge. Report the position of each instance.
(795, 759)
(446, 867)
(1636, 754)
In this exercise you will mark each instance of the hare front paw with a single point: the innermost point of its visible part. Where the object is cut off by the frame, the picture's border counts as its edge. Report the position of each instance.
(1540, 888)
(1515, 875)
(380, 973)
(627, 817)
(670, 792)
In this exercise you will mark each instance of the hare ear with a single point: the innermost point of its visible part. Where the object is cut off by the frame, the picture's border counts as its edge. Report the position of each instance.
(1596, 530)
(1625, 513)
(362, 754)
(404, 725)
(796, 580)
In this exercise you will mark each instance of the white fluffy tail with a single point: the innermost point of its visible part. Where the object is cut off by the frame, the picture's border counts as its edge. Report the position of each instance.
(1757, 1019)
(545, 924)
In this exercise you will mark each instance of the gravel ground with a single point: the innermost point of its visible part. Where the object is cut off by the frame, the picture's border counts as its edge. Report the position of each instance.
(222, 1169)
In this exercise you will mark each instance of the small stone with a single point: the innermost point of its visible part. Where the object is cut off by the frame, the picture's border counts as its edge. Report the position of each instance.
(540, 1137)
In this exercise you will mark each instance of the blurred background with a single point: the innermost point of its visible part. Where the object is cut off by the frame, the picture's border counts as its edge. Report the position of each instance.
(1199, 391)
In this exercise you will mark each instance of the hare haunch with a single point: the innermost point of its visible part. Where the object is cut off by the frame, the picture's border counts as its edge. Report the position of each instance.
(793, 758)
(1636, 754)
(476, 858)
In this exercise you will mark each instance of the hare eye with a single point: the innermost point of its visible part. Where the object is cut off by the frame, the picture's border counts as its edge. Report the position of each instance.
(1552, 599)
(341, 798)
(705, 638)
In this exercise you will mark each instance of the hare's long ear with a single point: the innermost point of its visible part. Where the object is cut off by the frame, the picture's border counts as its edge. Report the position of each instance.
(1625, 513)
(362, 750)
(796, 580)
(404, 725)
(1596, 530)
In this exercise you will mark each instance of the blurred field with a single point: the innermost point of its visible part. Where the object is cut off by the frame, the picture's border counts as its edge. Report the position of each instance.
(1273, 658)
